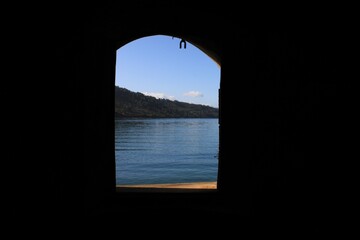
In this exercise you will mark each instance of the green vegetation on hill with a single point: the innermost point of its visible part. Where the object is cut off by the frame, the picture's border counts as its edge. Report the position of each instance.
(135, 104)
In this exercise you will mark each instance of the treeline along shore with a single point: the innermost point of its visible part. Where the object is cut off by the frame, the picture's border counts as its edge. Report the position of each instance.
(130, 104)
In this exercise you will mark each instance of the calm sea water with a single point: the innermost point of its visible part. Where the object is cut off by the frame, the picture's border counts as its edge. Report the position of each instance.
(166, 150)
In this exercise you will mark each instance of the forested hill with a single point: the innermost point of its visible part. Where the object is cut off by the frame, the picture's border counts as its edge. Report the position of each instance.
(134, 104)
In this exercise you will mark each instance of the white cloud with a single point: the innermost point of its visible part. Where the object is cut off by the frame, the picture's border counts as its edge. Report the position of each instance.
(159, 95)
(193, 94)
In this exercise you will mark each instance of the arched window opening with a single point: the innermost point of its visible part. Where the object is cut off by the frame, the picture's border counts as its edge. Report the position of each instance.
(166, 115)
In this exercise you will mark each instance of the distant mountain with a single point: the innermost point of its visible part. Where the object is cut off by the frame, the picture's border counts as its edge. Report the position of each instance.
(135, 104)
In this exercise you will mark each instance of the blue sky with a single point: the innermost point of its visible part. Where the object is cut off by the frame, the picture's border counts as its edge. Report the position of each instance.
(156, 66)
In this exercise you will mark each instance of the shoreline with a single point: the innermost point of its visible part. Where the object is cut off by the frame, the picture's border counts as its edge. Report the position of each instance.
(168, 186)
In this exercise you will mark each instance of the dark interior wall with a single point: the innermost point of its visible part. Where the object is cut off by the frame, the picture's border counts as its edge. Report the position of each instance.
(264, 132)
(277, 101)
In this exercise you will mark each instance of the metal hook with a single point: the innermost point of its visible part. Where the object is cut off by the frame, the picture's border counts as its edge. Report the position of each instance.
(182, 41)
